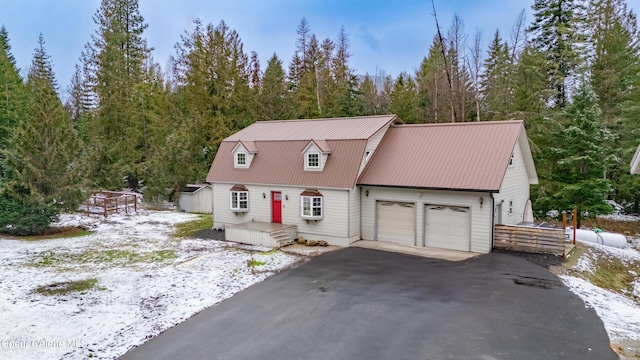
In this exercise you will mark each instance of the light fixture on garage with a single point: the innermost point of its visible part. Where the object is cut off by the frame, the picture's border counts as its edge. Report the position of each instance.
(481, 201)
(366, 193)
(419, 195)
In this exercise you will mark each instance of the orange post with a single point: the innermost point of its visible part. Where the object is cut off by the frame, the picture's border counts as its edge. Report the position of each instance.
(564, 219)
(575, 223)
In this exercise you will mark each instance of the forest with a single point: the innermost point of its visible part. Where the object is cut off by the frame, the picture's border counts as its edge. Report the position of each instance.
(571, 74)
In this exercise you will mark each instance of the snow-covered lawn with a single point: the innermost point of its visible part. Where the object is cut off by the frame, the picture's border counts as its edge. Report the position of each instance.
(619, 311)
(147, 281)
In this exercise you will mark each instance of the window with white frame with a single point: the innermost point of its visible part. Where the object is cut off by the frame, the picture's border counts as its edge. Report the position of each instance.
(239, 199)
(311, 205)
(241, 159)
(313, 160)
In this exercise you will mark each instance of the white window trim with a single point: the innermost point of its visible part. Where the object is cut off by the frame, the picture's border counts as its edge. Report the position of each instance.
(235, 159)
(511, 161)
(311, 208)
(367, 155)
(235, 206)
(308, 155)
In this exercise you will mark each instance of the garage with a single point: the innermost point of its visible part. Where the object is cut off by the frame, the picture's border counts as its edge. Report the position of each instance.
(448, 227)
(396, 222)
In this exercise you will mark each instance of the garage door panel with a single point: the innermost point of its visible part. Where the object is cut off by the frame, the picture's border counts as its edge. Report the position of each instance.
(447, 227)
(396, 222)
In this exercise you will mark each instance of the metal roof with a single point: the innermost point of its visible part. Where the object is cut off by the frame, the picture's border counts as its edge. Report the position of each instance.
(352, 128)
(281, 163)
(457, 156)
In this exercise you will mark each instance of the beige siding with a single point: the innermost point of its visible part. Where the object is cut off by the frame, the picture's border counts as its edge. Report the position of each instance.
(372, 145)
(332, 228)
(515, 188)
(354, 214)
(196, 202)
(481, 216)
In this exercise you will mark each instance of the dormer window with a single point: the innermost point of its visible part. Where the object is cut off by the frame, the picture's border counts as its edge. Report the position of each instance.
(367, 155)
(511, 161)
(313, 160)
(241, 159)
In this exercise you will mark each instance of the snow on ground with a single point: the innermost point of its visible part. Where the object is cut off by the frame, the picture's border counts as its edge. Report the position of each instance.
(147, 281)
(619, 313)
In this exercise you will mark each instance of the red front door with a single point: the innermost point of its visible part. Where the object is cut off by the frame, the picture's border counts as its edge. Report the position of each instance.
(276, 207)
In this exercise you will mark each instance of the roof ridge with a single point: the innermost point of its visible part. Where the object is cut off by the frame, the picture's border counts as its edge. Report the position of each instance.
(325, 119)
(469, 123)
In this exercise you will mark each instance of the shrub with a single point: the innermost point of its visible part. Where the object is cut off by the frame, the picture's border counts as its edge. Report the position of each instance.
(19, 218)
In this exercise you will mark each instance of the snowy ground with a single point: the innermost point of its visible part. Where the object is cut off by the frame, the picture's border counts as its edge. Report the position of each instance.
(147, 281)
(620, 312)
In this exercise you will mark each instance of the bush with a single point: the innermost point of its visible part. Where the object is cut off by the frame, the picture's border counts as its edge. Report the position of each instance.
(18, 218)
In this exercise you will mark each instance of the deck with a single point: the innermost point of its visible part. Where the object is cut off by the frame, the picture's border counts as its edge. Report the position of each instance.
(262, 233)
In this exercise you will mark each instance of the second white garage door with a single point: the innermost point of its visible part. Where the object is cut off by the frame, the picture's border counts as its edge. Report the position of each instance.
(448, 227)
(396, 222)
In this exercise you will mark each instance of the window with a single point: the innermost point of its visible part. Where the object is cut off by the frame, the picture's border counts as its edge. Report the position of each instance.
(241, 159)
(311, 205)
(510, 207)
(367, 155)
(313, 160)
(239, 199)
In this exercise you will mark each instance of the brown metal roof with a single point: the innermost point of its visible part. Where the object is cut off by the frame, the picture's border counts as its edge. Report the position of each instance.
(280, 162)
(459, 156)
(352, 128)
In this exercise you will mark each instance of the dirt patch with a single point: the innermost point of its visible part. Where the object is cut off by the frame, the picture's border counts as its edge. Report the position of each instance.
(544, 260)
(210, 234)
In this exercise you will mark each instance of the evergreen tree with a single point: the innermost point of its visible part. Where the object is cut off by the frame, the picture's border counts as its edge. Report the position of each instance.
(496, 80)
(579, 161)
(272, 100)
(13, 98)
(45, 158)
(404, 99)
(555, 33)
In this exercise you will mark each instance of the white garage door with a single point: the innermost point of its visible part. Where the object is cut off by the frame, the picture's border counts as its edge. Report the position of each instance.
(396, 222)
(448, 227)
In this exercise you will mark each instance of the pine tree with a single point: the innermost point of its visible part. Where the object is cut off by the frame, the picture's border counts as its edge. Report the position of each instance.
(13, 98)
(272, 100)
(496, 80)
(115, 59)
(579, 160)
(555, 33)
(45, 158)
(404, 99)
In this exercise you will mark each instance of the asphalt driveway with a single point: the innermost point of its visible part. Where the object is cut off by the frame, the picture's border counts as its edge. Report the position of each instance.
(365, 304)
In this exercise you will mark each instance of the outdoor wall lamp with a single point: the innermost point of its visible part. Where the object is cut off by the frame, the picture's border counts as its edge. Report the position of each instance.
(366, 193)
(264, 196)
(481, 201)
(286, 197)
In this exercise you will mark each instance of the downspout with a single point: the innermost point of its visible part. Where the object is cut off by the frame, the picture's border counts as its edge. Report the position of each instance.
(360, 212)
(493, 219)
(349, 216)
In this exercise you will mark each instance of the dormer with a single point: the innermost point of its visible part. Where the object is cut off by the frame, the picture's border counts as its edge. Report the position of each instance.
(315, 155)
(243, 154)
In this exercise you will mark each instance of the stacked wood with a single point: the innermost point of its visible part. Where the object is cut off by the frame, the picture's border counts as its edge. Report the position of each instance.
(529, 239)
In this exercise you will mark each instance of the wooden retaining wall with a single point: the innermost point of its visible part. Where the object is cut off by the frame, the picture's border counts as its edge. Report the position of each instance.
(529, 239)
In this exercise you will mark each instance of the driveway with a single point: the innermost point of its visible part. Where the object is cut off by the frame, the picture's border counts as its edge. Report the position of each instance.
(365, 304)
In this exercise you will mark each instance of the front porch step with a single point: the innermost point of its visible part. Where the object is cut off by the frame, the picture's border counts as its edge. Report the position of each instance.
(281, 237)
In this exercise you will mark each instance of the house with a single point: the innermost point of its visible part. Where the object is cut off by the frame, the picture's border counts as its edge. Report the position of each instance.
(635, 162)
(196, 198)
(375, 178)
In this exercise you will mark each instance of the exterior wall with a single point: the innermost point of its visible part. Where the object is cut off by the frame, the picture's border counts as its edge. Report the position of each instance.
(333, 228)
(481, 216)
(372, 145)
(354, 215)
(196, 202)
(515, 188)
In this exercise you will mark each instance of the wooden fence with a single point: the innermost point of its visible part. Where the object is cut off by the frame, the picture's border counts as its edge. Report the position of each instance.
(105, 202)
(529, 239)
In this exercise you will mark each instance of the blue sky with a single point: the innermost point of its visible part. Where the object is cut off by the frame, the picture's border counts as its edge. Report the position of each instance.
(385, 35)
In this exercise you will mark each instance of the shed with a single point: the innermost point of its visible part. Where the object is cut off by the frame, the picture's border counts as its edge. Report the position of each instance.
(196, 198)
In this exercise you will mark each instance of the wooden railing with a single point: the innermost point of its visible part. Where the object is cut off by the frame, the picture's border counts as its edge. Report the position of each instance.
(529, 239)
(105, 202)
